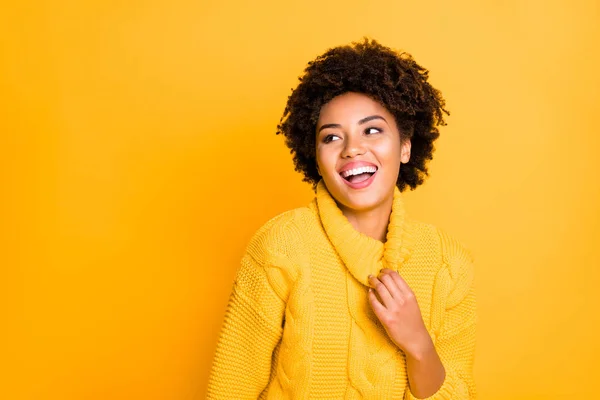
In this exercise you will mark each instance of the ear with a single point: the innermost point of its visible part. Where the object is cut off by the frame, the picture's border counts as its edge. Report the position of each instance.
(405, 151)
(318, 170)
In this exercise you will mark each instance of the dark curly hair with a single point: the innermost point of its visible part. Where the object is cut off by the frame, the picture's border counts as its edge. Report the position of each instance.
(392, 78)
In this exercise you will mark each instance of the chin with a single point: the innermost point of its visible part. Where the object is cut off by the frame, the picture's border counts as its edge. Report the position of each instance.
(359, 200)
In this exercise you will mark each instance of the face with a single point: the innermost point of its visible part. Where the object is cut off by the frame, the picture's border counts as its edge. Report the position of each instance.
(359, 151)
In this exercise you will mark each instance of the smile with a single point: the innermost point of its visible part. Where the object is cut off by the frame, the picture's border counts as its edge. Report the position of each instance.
(359, 179)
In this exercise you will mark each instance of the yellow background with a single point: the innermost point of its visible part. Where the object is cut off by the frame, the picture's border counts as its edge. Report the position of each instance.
(138, 156)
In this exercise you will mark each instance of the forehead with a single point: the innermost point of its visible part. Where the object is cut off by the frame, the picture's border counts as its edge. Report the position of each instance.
(350, 107)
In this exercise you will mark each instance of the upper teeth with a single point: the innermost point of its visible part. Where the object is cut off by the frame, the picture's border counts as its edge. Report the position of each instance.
(358, 171)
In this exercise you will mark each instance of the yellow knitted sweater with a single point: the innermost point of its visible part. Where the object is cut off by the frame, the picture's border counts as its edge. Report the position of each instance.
(298, 324)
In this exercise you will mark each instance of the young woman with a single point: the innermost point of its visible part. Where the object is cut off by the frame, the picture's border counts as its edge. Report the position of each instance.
(347, 297)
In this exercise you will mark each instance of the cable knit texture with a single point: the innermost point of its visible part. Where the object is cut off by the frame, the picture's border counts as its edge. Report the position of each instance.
(298, 323)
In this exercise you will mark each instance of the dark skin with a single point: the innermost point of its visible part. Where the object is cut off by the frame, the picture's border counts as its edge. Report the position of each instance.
(351, 128)
(395, 305)
(391, 78)
(401, 86)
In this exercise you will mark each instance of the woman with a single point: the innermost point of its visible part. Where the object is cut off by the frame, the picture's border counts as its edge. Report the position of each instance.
(348, 297)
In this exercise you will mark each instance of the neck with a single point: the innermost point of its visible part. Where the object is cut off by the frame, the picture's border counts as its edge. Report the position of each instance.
(372, 222)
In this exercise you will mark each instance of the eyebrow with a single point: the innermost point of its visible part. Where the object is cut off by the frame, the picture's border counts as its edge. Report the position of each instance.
(362, 121)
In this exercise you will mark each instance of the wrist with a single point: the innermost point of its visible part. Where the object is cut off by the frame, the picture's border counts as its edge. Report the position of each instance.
(423, 350)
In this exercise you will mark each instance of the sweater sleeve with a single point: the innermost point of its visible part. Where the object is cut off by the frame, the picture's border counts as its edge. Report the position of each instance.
(254, 316)
(251, 329)
(456, 342)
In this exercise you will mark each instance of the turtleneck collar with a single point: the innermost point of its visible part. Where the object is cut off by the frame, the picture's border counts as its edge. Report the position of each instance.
(362, 254)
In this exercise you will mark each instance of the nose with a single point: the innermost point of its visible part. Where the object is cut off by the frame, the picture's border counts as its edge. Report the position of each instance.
(353, 147)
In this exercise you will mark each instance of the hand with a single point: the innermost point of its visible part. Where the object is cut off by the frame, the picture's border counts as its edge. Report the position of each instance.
(399, 313)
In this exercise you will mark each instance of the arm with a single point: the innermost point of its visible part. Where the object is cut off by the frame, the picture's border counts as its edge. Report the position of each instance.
(251, 329)
(455, 345)
(425, 370)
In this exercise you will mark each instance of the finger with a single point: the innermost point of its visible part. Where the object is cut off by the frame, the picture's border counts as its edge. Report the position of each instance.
(382, 290)
(391, 285)
(400, 282)
(378, 308)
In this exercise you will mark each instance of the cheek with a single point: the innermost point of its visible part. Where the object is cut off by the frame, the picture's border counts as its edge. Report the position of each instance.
(388, 152)
(325, 159)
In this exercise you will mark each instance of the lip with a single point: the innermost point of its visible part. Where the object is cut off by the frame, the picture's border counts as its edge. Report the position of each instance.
(360, 185)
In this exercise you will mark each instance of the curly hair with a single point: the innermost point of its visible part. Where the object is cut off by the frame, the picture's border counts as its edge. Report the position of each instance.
(392, 78)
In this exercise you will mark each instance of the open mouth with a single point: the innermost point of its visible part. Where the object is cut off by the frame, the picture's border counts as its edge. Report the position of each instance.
(358, 175)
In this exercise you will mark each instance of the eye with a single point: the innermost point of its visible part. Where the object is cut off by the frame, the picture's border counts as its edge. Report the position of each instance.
(370, 128)
(329, 138)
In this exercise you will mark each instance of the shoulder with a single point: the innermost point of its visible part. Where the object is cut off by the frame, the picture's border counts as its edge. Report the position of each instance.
(459, 262)
(278, 249)
(448, 245)
(281, 234)
(279, 242)
(454, 250)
